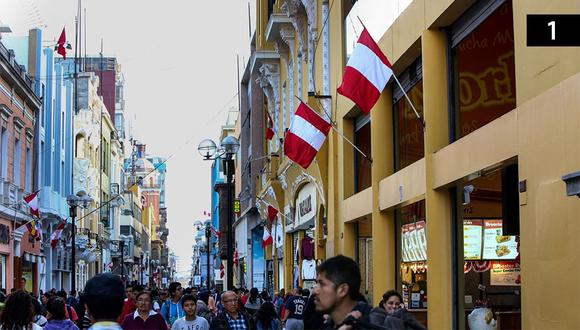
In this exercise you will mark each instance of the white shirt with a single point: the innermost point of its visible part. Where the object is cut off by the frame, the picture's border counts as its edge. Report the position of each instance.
(136, 314)
(198, 324)
(309, 269)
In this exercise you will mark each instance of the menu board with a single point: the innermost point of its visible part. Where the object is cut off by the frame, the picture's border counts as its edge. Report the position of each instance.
(505, 273)
(472, 239)
(495, 245)
(414, 242)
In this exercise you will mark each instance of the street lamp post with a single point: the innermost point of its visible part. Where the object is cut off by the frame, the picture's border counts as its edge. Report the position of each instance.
(228, 148)
(208, 238)
(81, 199)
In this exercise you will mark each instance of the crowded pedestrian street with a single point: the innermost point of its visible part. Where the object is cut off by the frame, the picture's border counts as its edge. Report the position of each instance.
(289, 164)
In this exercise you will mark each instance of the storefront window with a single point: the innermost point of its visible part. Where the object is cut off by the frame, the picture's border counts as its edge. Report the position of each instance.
(412, 256)
(484, 72)
(408, 128)
(491, 262)
(3, 271)
(362, 139)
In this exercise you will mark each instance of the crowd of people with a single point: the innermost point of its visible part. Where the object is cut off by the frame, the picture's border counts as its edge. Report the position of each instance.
(107, 304)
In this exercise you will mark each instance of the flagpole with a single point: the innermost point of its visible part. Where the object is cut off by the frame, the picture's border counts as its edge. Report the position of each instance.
(400, 86)
(332, 124)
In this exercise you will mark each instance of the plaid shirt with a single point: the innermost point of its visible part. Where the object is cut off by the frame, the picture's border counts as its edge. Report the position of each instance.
(236, 324)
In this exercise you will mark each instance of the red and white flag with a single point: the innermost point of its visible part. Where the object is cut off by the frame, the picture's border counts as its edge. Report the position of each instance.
(267, 238)
(216, 232)
(32, 201)
(366, 74)
(305, 136)
(61, 44)
(56, 234)
(222, 270)
(236, 258)
(270, 130)
(272, 213)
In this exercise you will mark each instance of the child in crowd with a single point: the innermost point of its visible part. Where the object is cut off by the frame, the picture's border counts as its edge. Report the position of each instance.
(190, 321)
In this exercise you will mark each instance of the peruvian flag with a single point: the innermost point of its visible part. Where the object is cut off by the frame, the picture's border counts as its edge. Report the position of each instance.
(222, 270)
(61, 44)
(216, 232)
(267, 238)
(56, 234)
(305, 136)
(272, 213)
(270, 129)
(366, 74)
(236, 258)
(32, 201)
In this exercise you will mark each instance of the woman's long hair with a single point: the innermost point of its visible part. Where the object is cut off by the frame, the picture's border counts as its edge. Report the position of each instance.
(18, 311)
(266, 314)
(254, 295)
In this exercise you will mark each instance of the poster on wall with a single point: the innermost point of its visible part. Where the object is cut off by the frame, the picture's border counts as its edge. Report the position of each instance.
(495, 245)
(472, 239)
(505, 273)
(414, 242)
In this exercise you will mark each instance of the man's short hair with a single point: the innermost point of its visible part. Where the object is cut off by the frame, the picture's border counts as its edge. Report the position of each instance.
(341, 269)
(104, 296)
(188, 297)
(138, 288)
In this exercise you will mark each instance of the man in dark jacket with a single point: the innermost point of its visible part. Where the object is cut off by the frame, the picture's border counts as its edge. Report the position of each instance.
(230, 318)
(337, 294)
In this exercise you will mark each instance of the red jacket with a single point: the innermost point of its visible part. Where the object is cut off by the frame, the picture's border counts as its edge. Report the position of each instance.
(128, 308)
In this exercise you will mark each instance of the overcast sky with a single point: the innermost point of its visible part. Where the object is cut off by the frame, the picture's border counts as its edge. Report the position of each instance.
(179, 62)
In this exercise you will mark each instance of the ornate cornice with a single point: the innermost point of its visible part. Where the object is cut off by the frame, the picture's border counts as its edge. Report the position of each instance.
(283, 50)
(269, 81)
(287, 35)
(297, 14)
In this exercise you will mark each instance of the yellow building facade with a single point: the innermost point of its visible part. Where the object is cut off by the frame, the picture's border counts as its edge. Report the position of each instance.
(478, 187)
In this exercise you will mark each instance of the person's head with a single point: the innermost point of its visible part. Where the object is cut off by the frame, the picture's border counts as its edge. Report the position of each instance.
(37, 307)
(297, 291)
(338, 281)
(18, 311)
(144, 301)
(104, 295)
(163, 295)
(391, 301)
(282, 292)
(23, 283)
(55, 308)
(73, 293)
(45, 297)
(230, 302)
(305, 293)
(129, 291)
(61, 294)
(175, 290)
(189, 303)
(136, 290)
(266, 314)
(203, 295)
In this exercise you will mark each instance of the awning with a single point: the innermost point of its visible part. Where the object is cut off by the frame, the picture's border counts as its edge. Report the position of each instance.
(32, 257)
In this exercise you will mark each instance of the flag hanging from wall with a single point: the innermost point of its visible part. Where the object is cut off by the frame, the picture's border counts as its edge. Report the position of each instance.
(270, 129)
(366, 74)
(272, 213)
(222, 270)
(306, 135)
(32, 201)
(56, 234)
(267, 238)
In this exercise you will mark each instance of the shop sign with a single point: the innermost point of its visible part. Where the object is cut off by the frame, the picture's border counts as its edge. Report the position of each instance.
(4, 234)
(197, 280)
(81, 241)
(472, 239)
(306, 204)
(237, 206)
(505, 273)
(495, 245)
(414, 242)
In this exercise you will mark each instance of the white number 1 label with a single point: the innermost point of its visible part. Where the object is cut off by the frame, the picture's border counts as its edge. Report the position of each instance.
(552, 24)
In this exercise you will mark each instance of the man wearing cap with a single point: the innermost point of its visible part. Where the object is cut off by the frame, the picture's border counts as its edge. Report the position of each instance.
(104, 295)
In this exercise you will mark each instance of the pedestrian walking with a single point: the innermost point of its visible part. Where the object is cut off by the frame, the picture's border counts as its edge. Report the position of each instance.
(57, 320)
(267, 318)
(230, 318)
(104, 295)
(172, 308)
(311, 318)
(84, 321)
(69, 312)
(72, 298)
(254, 302)
(129, 305)
(391, 313)
(144, 317)
(337, 294)
(39, 313)
(191, 321)
(18, 312)
(294, 311)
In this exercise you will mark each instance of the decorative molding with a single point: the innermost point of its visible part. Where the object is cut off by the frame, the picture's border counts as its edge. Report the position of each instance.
(269, 81)
(311, 13)
(288, 36)
(303, 179)
(283, 183)
(283, 50)
(297, 14)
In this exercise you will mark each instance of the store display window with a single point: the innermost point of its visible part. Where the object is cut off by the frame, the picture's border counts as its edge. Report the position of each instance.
(409, 137)
(412, 257)
(483, 70)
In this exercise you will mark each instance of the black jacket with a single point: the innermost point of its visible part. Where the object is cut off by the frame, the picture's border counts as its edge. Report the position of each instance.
(362, 323)
(220, 322)
(379, 316)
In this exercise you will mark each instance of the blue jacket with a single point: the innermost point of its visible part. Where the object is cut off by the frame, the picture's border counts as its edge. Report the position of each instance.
(60, 325)
(172, 311)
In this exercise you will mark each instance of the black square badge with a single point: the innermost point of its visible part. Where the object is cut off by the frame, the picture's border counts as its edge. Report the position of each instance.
(553, 30)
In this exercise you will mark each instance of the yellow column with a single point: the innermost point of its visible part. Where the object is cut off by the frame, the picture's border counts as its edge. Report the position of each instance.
(288, 255)
(437, 202)
(383, 229)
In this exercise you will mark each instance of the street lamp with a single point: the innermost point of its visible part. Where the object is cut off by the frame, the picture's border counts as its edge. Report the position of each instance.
(124, 240)
(228, 148)
(81, 199)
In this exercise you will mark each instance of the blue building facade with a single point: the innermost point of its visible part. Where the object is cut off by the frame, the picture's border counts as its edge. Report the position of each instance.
(53, 146)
